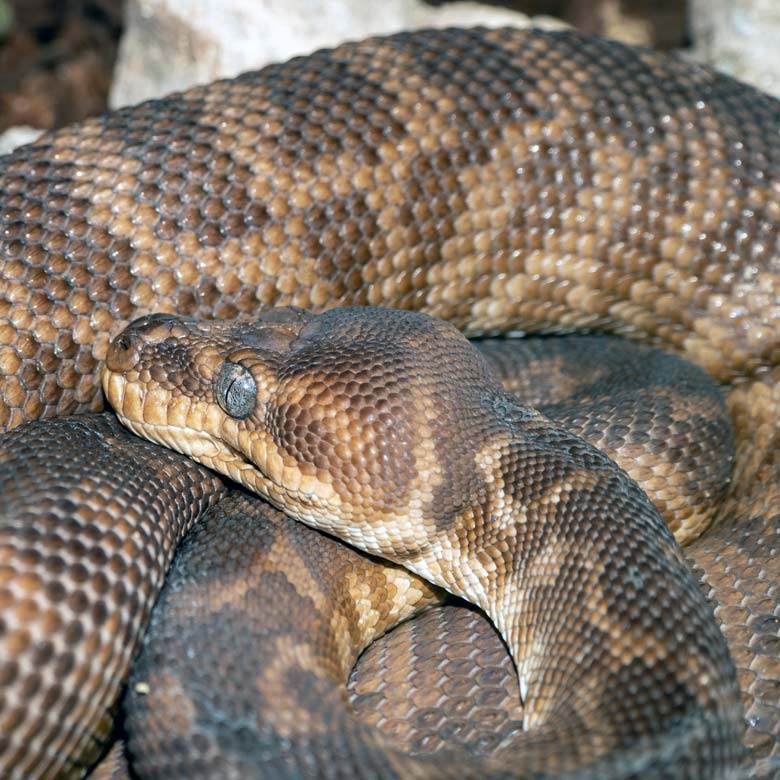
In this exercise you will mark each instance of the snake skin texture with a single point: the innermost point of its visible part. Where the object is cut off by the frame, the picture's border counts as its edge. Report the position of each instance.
(460, 484)
(661, 421)
(278, 602)
(90, 521)
(504, 180)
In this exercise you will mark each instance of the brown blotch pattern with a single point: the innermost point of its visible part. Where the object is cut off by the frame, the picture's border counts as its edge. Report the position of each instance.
(266, 674)
(507, 179)
(619, 658)
(501, 179)
(89, 526)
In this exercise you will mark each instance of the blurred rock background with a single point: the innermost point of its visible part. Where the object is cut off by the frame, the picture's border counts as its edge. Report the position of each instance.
(61, 60)
(56, 62)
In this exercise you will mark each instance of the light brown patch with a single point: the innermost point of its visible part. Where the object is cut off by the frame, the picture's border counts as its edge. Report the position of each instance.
(291, 720)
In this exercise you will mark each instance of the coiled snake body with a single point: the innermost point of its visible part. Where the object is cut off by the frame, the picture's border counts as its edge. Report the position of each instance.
(503, 180)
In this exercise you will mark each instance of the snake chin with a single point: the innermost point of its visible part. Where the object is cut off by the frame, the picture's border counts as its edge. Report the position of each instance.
(198, 444)
(201, 446)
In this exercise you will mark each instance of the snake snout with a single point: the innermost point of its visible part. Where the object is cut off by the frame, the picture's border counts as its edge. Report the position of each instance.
(124, 349)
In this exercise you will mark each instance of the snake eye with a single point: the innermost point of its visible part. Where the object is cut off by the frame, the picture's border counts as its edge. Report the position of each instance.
(236, 390)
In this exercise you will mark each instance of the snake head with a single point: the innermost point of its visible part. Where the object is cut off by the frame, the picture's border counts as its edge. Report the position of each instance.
(338, 418)
(199, 387)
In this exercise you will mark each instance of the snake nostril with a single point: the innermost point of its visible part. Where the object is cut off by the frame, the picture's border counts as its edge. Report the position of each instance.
(122, 352)
(141, 333)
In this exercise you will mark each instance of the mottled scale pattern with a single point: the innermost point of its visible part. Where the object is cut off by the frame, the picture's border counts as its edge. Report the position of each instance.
(622, 668)
(275, 615)
(499, 179)
(658, 417)
(436, 683)
(739, 565)
(507, 180)
(441, 682)
(90, 519)
(446, 675)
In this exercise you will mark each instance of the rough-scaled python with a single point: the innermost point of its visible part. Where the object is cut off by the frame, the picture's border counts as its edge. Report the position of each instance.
(504, 180)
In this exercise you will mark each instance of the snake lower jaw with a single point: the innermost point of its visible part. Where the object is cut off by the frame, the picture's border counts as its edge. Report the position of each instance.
(199, 445)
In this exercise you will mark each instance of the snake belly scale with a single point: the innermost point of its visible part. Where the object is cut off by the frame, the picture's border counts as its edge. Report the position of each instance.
(503, 180)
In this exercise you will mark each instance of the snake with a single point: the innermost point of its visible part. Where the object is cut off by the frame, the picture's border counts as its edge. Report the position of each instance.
(470, 490)
(504, 180)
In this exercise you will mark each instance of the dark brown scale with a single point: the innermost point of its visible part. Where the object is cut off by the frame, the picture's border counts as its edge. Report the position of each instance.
(737, 564)
(441, 679)
(179, 157)
(656, 416)
(89, 525)
(253, 596)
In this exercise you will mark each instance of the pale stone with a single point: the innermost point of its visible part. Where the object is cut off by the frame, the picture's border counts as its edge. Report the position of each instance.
(170, 44)
(740, 37)
(16, 136)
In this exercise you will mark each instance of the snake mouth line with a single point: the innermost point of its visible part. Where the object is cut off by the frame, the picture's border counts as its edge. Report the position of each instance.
(196, 443)
(175, 436)
(221, 457)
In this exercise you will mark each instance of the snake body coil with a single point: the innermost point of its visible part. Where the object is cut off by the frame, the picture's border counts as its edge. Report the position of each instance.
(387, 429)
(503, 180)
